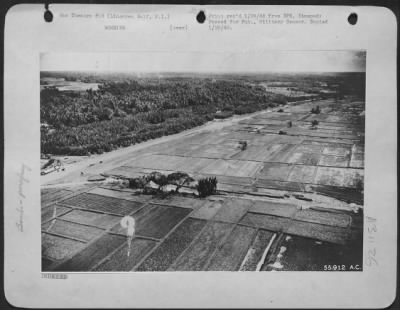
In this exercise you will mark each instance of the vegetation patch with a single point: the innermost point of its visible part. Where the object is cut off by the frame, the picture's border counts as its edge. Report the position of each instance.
(156, 183)
(125, 112)
(316, 110)
(207, 186)
(243, 145)
(314, 124)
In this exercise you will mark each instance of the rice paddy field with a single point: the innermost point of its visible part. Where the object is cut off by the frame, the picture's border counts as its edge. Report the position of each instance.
(285, 202)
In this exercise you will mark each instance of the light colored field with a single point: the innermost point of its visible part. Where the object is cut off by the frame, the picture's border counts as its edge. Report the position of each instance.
(207, 211)
(304, 174)
(233, 210)
(91, 218)
(235, 168)
(58, 248)
(104, 204)
(338, 176)
(72, 230)
(275, 171)
(230, 255)
(325, 218)
(196, 256)
(119, 261)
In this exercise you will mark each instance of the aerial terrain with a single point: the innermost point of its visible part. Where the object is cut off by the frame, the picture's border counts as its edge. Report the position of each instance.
(286, 150)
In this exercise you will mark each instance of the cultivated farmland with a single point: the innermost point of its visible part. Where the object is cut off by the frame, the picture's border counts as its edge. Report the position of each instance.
(292, 199)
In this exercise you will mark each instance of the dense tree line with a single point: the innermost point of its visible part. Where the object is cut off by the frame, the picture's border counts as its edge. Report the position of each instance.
(124, 113)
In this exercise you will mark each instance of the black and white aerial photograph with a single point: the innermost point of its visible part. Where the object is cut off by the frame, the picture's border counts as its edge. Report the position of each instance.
(250, 161)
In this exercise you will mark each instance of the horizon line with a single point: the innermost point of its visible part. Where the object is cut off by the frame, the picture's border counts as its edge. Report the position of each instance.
(199, 72)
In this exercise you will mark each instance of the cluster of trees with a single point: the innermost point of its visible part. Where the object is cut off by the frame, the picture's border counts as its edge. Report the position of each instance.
(125, 110)
(316, 110)
(205, 186)
(128, 112)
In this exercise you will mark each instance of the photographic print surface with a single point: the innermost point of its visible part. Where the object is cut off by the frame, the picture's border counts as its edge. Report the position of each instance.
(211, 162)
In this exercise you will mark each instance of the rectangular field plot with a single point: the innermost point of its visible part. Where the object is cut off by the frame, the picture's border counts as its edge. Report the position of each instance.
(195, 257)
(267, 128)
(334, 161)
(324, 218)
(280, 116)
(357, 160)
(239, 168)
(207, 210)
(214, 151)
(320, 232)
(264, 221)
(339, 176)
(119, 194)
(120, 261)
(233, 188)
(337, 151)
(275, 171)
(333, 119)
(53, 211)
(125, 171)
(256, 250)
(260, 121)
(269, 152)
(256, 153)
(283, 154)
(323, 143)
(304, 174)
(330, 176)
(229, 256)
(46, 191)
(72, 230)
(279, 185)
(58, 248)
(318, 117)
(207, 137)
(103, 204)
(86, 259)
(179, 201)
(54, 196)
(194, 165)
(180, 149)
(309, 148)
(91, 218)
(311, 159)
(350, 195)
(354, 178)
(238, 135)
(49, 193)
(168, 251)
(233, 210)
(155, 221)
(274, 208)
(263, 139)
(162, 162)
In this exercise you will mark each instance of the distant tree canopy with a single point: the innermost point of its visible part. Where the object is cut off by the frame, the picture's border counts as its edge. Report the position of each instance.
(125, 111)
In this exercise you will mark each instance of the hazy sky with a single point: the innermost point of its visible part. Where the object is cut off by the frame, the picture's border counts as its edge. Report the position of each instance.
(262, 61)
